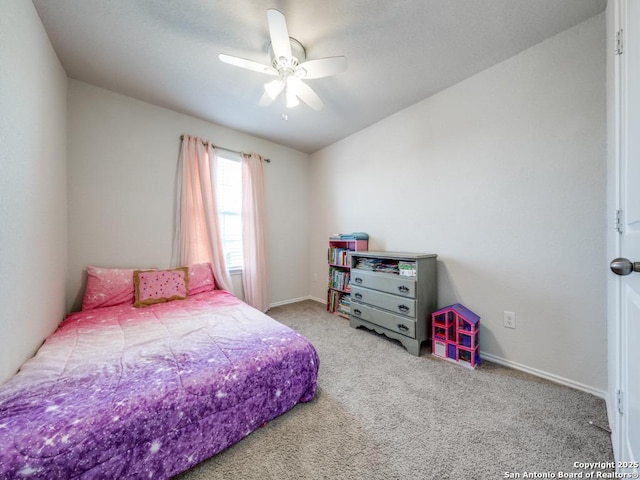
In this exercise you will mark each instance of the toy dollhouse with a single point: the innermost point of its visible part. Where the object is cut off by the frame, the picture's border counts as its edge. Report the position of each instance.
(455, 335)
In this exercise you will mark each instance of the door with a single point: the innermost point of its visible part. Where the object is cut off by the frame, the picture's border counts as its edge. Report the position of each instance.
(628, 171)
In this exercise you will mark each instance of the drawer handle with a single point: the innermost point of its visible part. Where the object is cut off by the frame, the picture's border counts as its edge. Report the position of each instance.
(403, 289)
(403, 327)
(357, 295)
(403, 308)
(357, 312)
(357, 280)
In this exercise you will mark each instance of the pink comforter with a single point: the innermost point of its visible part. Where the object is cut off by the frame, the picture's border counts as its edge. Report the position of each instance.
(121, 392)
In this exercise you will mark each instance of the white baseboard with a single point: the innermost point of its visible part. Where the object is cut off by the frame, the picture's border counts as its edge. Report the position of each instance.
(296, 300)
(546, 375)
(319, 300)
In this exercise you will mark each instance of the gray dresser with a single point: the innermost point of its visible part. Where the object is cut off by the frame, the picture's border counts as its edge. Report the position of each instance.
(394, 294)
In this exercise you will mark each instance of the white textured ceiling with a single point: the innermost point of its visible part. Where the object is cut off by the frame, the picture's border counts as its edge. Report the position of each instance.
(399, 52)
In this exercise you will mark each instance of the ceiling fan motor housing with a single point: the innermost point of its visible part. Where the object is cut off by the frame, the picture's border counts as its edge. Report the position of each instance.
(288, 66)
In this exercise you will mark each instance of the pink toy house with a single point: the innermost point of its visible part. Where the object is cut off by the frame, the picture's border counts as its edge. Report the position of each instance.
(455, 335)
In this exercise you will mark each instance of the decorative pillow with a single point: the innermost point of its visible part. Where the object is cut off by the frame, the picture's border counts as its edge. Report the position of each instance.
(107, 287)
(157, 286)
(201, 278)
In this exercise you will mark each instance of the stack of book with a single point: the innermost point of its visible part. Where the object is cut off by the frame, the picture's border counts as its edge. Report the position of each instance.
(339, 302)
(398, 267)
(407, 269)
(339, 256)
(339, 279)
(344, 305)
(377, 265)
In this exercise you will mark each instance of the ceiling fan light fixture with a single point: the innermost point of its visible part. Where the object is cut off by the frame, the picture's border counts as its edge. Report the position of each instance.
(292, 90)
(292, 98)
(273, 88)
(293, 84)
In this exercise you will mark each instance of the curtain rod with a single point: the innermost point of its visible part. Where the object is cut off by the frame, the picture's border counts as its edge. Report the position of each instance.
(227, 149)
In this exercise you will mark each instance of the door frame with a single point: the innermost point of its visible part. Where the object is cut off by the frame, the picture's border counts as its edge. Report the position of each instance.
(616, 101)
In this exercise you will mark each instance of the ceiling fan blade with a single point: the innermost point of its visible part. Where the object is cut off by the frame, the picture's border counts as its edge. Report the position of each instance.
(322, 67)
(247, 64)
(278, 33)
(308, 96)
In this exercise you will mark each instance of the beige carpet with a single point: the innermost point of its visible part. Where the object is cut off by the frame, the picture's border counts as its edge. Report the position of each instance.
(381, 413)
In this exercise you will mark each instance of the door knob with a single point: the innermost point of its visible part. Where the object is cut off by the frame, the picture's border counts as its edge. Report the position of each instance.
(622, 266)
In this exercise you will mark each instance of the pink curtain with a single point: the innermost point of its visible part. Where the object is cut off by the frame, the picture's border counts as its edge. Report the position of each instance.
(197, 235)
(254, 274)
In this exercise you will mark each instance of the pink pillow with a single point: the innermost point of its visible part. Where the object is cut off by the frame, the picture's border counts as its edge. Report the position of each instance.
(107, 287)
(201, 278)
(157, 286)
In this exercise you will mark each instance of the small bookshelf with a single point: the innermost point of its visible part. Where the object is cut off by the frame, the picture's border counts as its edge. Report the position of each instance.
(339, 260)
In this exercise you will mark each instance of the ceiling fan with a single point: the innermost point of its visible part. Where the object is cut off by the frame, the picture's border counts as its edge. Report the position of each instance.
(289, 65)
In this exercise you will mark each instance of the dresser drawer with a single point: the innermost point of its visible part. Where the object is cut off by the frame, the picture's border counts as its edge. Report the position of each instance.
(384, 282)
(393, 303)
(405, 326)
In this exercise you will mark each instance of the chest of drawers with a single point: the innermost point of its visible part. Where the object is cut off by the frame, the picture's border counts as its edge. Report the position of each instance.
(394, 294)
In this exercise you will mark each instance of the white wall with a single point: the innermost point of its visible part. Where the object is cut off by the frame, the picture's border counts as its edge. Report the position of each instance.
(33, 200)
(122, 168)
(503, 176)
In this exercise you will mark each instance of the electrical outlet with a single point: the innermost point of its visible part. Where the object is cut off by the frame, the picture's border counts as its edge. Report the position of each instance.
(509, 319)
(314, 277)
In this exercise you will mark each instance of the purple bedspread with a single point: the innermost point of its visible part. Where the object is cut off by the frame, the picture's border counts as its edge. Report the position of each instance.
(121, 392)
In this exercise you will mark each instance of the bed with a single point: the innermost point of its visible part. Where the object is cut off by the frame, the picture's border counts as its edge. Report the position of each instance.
(124, 392)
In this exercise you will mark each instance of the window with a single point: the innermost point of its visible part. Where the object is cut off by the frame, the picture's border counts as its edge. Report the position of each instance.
(229, 197)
